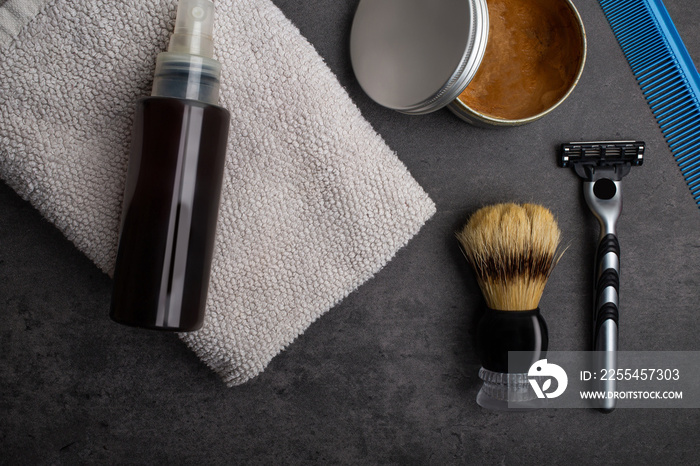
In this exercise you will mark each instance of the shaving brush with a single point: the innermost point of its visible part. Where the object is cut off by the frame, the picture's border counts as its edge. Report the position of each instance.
(513, 249)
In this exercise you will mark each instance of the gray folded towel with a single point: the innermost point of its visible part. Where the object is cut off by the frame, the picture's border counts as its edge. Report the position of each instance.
(313, 204)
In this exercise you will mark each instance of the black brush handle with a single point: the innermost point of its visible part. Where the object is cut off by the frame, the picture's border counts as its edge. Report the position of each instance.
(604, 197)
(499, 332)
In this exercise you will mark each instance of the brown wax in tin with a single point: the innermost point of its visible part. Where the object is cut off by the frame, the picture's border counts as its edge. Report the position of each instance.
(531, 60)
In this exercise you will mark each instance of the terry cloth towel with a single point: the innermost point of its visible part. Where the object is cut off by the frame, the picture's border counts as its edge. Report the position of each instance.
(313, 204)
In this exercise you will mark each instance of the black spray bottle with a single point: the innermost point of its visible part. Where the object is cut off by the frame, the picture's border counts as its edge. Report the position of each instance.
(173, 185)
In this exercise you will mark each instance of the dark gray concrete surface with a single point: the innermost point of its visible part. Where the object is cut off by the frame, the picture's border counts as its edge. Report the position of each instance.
(390, 374)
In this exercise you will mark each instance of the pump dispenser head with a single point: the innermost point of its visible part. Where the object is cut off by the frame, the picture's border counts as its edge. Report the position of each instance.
(194, 28)
(187, 70)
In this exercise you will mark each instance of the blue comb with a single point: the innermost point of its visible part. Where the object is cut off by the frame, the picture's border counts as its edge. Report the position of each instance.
(665, 73)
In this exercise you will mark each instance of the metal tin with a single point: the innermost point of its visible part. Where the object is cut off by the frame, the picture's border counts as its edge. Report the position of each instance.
(417, 56)
(477, 118)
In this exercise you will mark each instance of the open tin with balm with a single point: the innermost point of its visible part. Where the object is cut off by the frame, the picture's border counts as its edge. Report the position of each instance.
(491, 62)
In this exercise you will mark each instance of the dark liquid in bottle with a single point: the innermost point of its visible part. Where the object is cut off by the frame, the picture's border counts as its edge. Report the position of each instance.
(171, 204)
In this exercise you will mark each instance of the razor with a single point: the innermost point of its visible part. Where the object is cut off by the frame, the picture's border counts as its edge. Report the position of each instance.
(602, 165)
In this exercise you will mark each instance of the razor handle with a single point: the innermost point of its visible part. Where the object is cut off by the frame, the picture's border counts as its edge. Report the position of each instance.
(604, 198)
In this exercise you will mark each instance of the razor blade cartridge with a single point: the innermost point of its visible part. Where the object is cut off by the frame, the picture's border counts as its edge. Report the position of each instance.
(602, 159)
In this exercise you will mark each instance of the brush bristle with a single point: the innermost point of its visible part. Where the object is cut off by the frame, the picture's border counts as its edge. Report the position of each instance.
(513, 249)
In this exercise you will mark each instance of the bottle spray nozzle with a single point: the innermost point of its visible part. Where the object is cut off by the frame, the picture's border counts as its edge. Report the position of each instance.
(194, 27)
(188, 70)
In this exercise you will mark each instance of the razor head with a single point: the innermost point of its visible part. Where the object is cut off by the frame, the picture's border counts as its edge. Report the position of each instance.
(602, 159)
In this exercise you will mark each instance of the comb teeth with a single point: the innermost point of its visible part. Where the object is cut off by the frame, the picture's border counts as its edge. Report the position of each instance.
(666, 74)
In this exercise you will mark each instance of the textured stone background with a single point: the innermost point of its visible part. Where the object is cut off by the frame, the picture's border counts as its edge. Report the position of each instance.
(389, 375)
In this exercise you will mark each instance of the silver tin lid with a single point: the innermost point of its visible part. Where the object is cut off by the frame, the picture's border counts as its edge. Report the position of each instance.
(417, 56)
